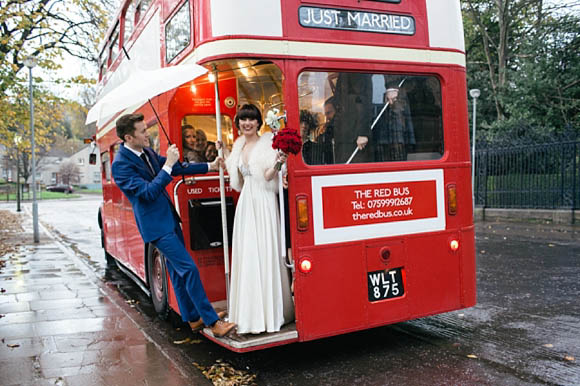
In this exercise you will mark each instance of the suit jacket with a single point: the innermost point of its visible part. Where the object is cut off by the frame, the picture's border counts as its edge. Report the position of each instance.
(153, 209)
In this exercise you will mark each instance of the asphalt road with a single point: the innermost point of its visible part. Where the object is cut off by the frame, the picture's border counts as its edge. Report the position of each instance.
(523, 330)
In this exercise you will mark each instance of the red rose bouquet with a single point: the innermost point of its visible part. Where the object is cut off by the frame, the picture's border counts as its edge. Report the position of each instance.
(287, 141)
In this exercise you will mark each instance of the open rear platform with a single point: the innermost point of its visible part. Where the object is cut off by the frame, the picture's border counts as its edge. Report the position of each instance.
(250, 342)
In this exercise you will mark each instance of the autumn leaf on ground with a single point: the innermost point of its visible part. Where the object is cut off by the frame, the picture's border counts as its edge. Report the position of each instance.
(472, 356)
(551, 245)
(569, 358)
(549, 345)
(223, 374)
(13, 345)
(186, 340)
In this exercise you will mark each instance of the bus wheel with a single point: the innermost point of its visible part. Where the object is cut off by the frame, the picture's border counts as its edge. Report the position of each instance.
(108, 257)
(158, 282)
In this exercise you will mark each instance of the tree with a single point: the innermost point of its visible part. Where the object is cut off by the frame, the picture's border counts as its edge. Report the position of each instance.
(522, 54)
(45, 29)
(15, 122)
(69, 173)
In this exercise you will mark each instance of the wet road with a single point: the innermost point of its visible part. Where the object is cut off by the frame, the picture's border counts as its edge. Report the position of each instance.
(524, 329)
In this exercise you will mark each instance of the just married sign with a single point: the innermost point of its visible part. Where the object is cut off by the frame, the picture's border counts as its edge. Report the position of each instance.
(346, 19)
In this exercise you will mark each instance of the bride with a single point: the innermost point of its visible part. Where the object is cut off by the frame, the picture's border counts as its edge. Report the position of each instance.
(260, 298)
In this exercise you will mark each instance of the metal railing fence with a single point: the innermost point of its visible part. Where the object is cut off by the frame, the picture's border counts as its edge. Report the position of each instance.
(544, 176)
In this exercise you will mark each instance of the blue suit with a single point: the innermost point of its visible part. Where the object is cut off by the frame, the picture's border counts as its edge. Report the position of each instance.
(158, 224)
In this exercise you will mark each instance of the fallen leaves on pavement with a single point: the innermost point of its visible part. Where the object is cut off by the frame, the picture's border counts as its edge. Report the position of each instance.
(223, 374)
(9, 227)
(187, 341)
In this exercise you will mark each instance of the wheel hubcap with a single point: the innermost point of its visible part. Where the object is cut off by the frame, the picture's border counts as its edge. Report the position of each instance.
(157, 275)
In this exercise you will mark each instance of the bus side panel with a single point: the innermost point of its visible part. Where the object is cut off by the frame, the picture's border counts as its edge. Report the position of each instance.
(433, 279)
(468, 281)
(330, 298)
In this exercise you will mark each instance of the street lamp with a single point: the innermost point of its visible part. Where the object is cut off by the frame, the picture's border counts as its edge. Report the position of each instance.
(475, 93)
(30, 62)
(17, 139)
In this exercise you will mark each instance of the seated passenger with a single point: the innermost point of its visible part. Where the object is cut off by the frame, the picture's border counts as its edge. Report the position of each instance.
(394, 134)
(194, 144)
(211, 151)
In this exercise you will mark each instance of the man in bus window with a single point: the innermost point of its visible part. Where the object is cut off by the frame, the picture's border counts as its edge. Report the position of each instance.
(142, 176)
(352, 128)
(394, 133)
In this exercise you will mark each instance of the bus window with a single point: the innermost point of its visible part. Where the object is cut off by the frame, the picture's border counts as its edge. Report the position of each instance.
(177, 32)
(106, 166)
(397, 117)
(153, 131)
(129, 21)
(199, 135)
(114, 47)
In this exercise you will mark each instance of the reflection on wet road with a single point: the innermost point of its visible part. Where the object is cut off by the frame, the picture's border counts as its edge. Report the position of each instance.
(524, 329)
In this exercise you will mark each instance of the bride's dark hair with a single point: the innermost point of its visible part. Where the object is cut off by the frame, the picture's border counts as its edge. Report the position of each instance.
(248, 111)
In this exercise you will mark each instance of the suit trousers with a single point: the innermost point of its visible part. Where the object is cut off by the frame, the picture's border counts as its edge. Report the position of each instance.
(191, 298)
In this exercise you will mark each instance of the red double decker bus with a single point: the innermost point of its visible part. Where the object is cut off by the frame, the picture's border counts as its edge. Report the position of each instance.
(380, 234)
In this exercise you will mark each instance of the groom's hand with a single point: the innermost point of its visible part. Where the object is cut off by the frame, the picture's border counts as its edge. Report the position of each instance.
(172, 156)
(216, 164)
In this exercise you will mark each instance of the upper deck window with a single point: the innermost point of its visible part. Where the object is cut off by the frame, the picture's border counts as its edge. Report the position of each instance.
(177, 32)
(114, 45)
(141, 9)
(129, 21)
(393, 117)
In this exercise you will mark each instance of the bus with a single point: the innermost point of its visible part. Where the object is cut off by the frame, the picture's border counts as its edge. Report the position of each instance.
(379, 205)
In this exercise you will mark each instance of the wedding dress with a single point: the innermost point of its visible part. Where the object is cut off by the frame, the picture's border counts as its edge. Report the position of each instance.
(260, 298)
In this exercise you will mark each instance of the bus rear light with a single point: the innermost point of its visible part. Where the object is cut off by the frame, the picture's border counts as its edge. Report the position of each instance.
(451, 199)
(305, 265)
(302, 213)
(454, 245)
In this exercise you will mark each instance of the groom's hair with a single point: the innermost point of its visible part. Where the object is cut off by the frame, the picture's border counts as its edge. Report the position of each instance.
(126, 124)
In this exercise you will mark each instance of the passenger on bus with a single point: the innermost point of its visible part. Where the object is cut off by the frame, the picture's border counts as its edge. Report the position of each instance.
(394, 134)
(352, 128)
(260, 298)
(142, 175)
(326, 134)
(194, 144)
(311, 151)
(211, 152)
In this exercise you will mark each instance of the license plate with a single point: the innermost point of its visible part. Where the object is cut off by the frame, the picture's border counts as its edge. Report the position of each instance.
(385, 284)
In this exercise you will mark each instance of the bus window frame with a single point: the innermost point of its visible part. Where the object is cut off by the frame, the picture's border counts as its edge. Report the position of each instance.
(396, 70)
(170, 18)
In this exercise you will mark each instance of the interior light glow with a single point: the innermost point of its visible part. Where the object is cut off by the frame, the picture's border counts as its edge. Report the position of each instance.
(211, 77)
(193, 88)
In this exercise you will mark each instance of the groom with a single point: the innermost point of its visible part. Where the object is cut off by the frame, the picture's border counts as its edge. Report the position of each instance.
(142, 176)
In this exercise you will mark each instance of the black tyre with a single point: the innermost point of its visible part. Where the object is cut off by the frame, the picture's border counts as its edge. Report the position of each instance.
(108, 257)
(157, 277)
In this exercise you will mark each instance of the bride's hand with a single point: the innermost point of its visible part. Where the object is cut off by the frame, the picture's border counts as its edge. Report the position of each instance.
(281, 157)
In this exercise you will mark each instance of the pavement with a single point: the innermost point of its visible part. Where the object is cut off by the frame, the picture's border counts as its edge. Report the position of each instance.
(59, 325)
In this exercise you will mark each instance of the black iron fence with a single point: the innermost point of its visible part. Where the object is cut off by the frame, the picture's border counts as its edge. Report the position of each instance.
(545, 176)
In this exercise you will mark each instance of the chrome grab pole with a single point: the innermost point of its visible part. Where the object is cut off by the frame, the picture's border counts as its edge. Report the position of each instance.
(218, 121)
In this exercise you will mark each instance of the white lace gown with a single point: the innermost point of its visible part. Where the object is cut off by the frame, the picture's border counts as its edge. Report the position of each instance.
(260, 298)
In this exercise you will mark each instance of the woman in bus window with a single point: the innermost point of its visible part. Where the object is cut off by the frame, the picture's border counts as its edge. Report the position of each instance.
(260, 298)
(211, 152)
(194, 144)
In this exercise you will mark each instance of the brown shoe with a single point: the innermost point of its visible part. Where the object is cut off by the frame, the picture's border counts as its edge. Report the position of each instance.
(198, 324)
(221, 328)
